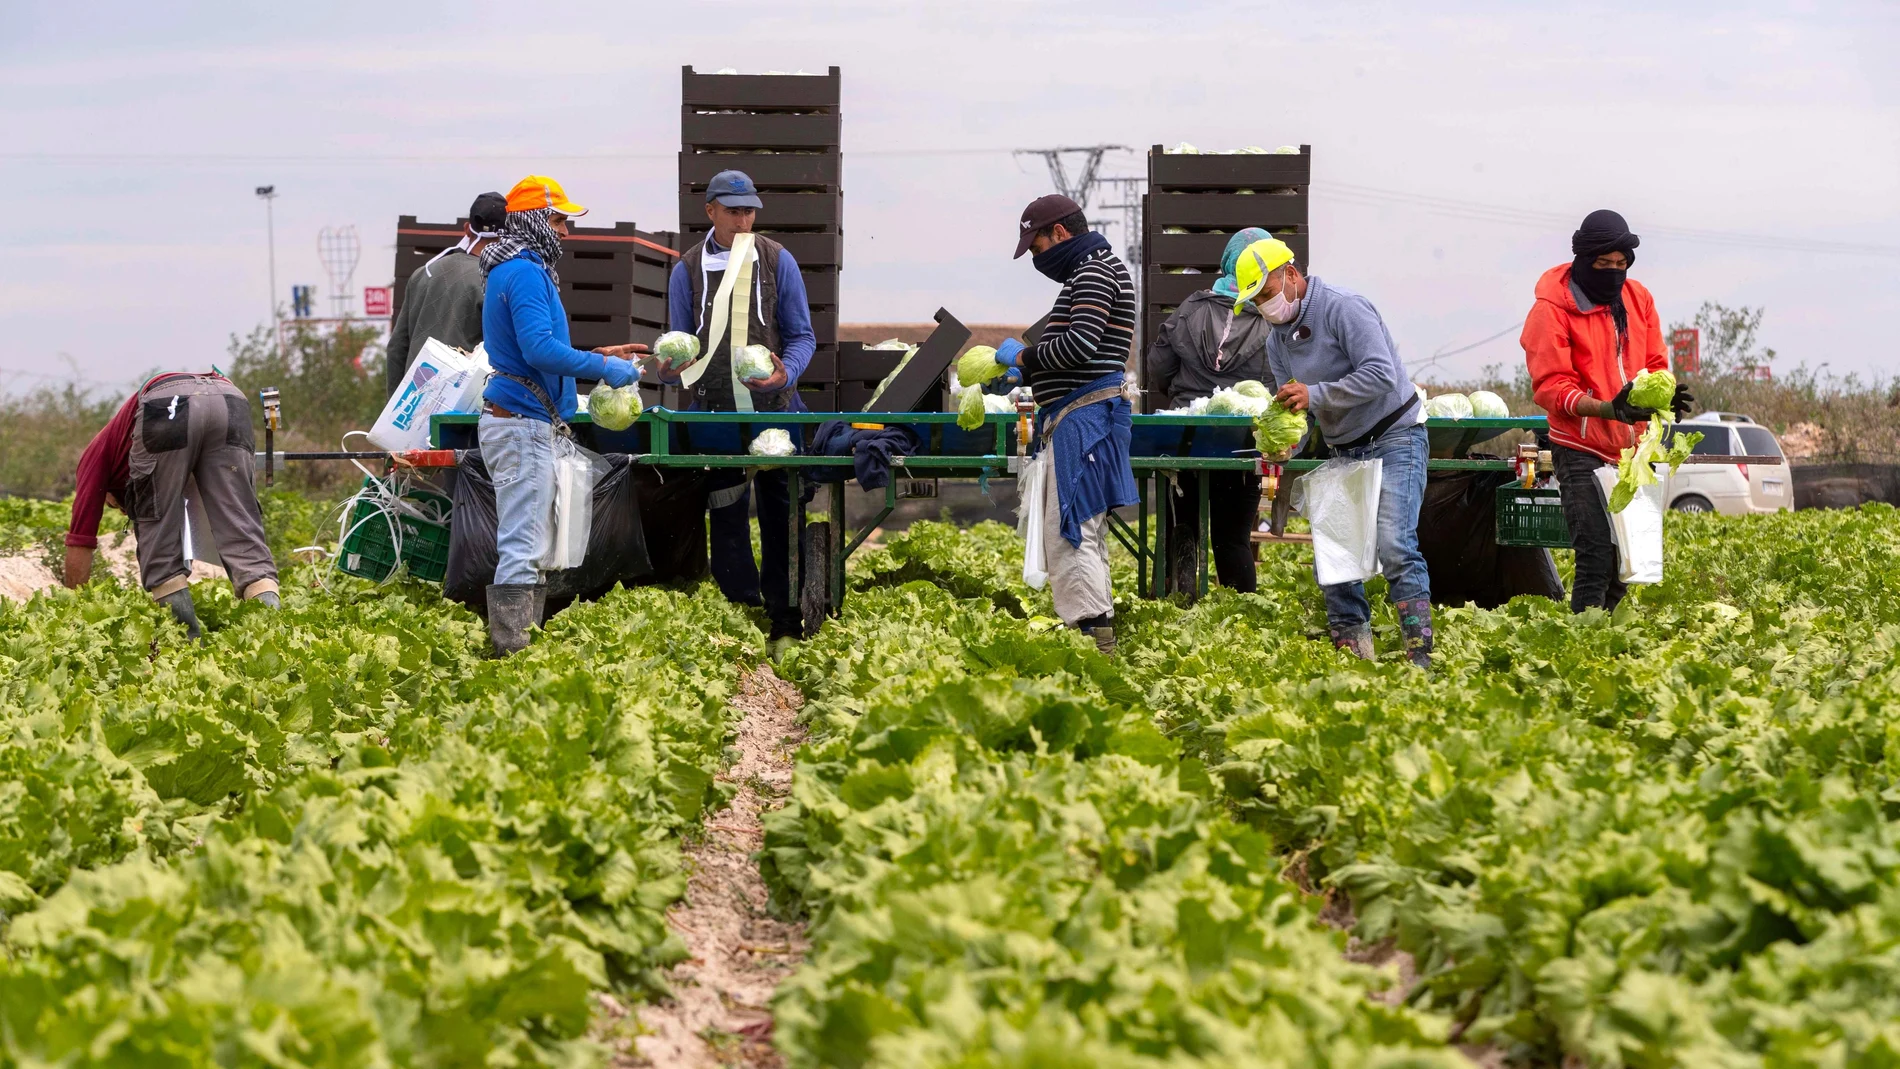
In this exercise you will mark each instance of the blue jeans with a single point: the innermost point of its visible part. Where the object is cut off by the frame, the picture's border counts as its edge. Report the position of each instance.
(1401, 492)
(519, 454)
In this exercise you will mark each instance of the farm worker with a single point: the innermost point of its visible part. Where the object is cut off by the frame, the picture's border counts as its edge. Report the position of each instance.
(443, 298)
(182, 435)
(1205, 345)
(525, 329)
(1076, 370)
(1589, 332)
(1331, 356)
(733, 289)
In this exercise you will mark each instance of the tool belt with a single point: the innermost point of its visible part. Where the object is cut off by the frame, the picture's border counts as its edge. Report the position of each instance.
(1378, 428)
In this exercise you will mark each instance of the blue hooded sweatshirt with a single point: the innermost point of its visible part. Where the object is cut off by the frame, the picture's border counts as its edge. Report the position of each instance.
(524, 328)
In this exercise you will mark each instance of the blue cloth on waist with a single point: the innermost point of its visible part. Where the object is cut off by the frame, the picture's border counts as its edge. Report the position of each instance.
(1092, 471)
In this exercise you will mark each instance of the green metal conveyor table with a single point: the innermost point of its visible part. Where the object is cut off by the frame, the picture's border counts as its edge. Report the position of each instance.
(1162, 448)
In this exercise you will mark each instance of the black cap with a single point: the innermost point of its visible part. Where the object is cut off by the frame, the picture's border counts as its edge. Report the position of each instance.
(1043, 211)
(487, 213)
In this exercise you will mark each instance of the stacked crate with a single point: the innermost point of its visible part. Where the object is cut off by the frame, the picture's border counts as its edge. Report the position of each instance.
(783, 131)
(613, 278)
(1210, 196)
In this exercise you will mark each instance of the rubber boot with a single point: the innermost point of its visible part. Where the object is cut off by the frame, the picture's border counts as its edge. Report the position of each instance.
(1415, 623)
(1355, 640)
(179, 602)
(1104, 637)
(540, 605)
(510, 614)
(269, 599)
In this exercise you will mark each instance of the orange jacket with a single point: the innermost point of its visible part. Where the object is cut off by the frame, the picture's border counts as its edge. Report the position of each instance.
(1573, 354)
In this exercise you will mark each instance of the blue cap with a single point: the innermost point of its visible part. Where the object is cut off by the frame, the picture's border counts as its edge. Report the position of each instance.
(734, 189)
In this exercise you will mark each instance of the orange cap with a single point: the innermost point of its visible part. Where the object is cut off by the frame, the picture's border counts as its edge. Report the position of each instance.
(540, 191)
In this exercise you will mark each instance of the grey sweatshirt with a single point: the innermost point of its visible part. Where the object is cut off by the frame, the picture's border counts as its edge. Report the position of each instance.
(443, 301)
(1339, 348)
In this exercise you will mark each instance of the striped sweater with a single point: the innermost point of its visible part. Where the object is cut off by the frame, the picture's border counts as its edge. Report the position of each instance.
(1089, 332)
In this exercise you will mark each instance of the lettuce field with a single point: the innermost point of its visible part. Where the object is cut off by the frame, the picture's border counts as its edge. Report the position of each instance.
(339, 836)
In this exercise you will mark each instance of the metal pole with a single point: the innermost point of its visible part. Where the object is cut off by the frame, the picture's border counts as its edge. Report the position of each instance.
(269, 194)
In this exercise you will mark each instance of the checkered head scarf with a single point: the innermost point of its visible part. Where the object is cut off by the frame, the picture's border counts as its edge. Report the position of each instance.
(522, 231)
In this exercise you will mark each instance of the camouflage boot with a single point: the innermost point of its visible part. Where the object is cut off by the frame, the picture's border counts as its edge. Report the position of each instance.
(1354, 640)
(1415, 622)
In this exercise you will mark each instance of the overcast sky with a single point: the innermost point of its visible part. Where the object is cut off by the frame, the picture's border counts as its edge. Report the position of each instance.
(137, 132)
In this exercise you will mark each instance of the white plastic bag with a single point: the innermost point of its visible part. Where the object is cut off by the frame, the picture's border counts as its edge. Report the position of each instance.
(575, 472)
(1031, 483)
(440, 379)
(1637, 530)
(1340, 498)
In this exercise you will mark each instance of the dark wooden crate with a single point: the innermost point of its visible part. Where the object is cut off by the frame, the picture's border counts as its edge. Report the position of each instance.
(819, 398)
(768, 170)
(647, 308)
(1204, 250)
(823, 369)
(705, 130)
(857, 362)
(1160, 288)
(1184, 173)
(760, 91)
(1227, 211)
(821, 283)
(810, 250)
(781, 209)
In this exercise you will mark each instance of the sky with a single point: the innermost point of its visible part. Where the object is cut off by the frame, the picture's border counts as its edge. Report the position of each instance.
(1756, 147)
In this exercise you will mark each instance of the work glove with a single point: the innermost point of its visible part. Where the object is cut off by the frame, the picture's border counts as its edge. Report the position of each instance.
(619, 372)
(1684, 401)
(1620, 407)
(1013, 377)
(1009, 354)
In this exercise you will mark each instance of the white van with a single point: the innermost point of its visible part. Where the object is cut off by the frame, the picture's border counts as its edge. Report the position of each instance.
(1731, 489)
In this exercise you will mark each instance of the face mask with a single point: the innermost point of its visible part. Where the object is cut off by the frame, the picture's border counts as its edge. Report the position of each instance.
(1277, 308)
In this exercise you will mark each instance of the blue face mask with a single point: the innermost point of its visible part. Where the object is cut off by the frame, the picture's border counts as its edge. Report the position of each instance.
(1058, 262)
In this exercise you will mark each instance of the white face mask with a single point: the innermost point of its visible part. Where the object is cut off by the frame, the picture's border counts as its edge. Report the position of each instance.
(1277, 308)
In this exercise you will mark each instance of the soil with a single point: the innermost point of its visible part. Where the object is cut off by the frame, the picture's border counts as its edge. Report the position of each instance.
(26, 574)
(720, 1013)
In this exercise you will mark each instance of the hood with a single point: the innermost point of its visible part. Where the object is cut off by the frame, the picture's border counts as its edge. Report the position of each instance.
(1554, 286)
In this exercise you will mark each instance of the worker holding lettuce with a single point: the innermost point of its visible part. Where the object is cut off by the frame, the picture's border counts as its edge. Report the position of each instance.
(1590, 332)
(741, 296)
(1081, 467)
(530, 396)
(1207, 344)
(1330, 355)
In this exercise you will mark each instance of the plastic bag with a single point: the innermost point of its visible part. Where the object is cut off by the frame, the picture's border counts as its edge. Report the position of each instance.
(1340, 498)
(440, 379)
(575, 472)
(1031, 483)
(1637, 530)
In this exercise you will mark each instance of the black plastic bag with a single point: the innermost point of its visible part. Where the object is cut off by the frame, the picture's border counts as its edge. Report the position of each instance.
(616, 545)
(1457, 532)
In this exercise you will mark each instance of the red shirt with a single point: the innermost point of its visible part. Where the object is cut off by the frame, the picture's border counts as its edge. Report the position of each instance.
(104, 468)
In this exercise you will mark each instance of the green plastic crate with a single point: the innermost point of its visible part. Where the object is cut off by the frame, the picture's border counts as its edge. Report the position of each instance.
(1531, 517)
(369, 553)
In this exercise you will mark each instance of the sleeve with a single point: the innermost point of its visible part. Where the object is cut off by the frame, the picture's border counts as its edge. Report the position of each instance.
(470, 314)
(1555, 384)
(1164, 359)
(1070, 345)
(1375, 370)
(1277, 366)
(89, 489)
(397, 351)
(679, 301)
(796, 341)
(1657, 359)
(533, 315)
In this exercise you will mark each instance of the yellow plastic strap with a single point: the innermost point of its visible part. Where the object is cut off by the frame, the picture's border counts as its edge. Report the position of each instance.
(731, 305)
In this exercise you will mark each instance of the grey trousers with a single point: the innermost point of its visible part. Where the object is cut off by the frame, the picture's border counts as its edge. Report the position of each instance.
(193, 434)
(1078, 575)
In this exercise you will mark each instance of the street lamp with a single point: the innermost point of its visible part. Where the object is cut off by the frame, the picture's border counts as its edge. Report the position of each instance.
(268, 194)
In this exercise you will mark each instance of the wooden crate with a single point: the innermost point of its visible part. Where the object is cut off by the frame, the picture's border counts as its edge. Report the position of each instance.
(760, 92)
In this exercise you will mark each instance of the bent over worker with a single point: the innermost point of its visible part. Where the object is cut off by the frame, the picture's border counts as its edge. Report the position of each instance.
(1076, 370)
(734, 289)
(1209, 343)
(530, 396)
(1331, 355)
(1590, 331)
(181, 435)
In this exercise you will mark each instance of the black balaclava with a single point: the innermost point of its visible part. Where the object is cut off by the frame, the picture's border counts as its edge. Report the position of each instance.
(522, 231)
(1603, 231)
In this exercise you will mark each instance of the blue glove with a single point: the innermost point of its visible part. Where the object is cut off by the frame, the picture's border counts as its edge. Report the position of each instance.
(619, 372)
(1009, 353)
(1013, 377)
